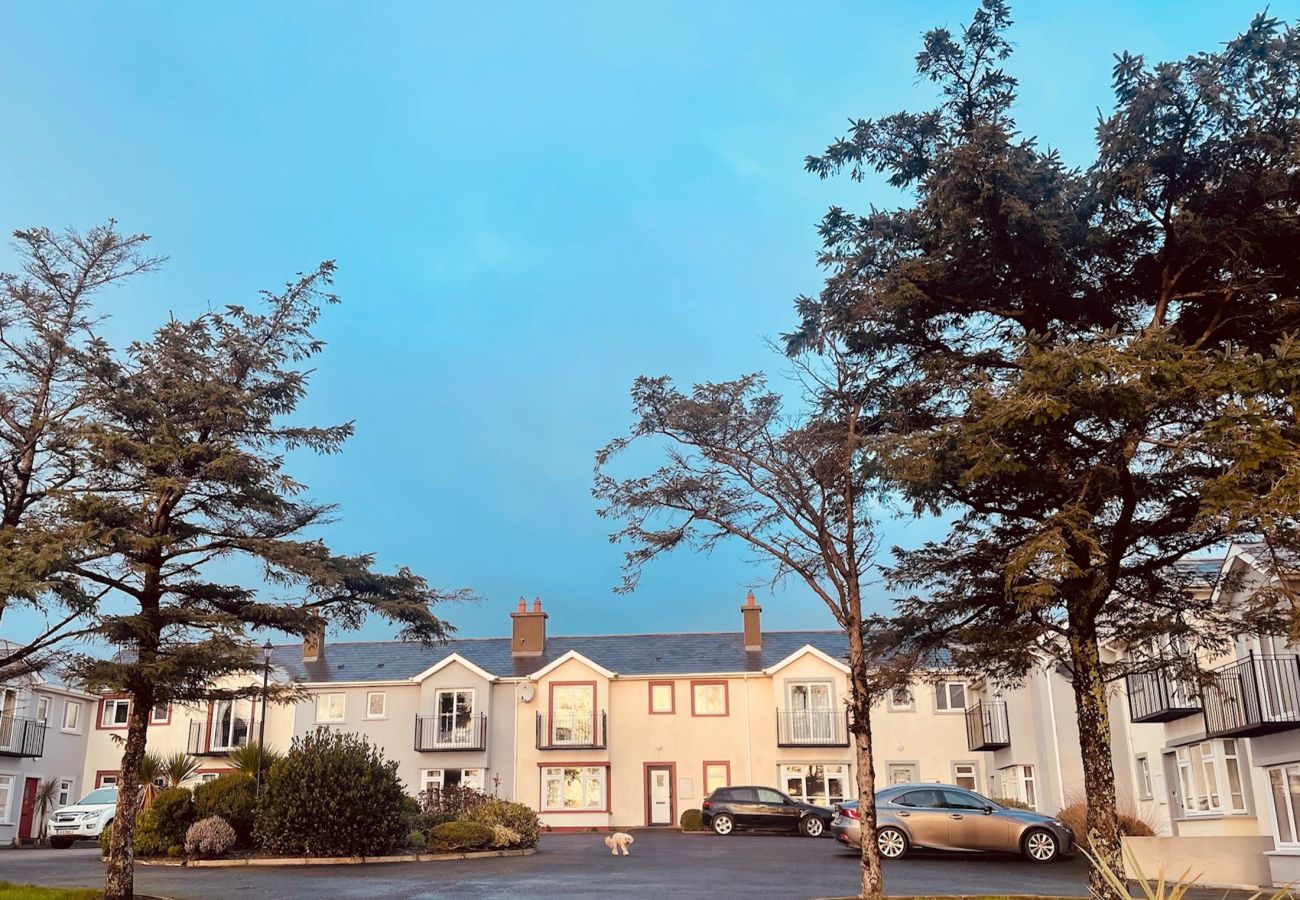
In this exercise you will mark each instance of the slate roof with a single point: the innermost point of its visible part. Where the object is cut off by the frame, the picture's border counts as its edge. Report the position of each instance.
(1204, 572)
(624, 654)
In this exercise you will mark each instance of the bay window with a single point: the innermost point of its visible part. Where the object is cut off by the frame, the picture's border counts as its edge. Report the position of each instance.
(1284, 797)
(818, 783)
(1017, 783)
(1210, 779)
(574, 788)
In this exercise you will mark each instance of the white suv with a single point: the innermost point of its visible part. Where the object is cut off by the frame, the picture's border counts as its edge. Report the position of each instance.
(85, 819)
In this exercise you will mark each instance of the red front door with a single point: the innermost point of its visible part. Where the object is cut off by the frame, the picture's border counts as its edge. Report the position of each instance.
(28, 814)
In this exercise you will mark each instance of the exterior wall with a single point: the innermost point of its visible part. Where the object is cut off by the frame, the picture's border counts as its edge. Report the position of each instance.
(1233, 862)
(62, 754)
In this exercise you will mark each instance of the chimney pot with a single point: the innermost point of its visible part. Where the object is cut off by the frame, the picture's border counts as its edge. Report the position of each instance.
(537, 604)
(528, 630)
(749, 600)
(523, 605)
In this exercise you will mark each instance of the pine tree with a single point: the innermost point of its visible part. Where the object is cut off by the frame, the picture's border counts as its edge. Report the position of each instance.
(1093, 369)
(184, 455)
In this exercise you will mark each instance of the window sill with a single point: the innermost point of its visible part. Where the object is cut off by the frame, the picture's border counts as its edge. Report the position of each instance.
(1284, 851)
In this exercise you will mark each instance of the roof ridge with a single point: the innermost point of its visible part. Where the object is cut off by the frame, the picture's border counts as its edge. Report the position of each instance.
(738, 634)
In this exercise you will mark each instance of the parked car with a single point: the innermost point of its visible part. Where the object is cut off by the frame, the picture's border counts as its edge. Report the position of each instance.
(729, 808)
(84, 819)
(947, 817)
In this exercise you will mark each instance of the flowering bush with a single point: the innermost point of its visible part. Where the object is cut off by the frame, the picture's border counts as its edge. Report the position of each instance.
(459, 836)
(232, 797)
(209, 838)
(517, 817)
(503, 837)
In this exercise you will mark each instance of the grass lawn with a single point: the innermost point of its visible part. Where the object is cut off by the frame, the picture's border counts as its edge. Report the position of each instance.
(11, 891)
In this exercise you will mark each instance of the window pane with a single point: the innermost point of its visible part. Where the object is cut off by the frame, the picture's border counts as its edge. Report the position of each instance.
(1293, 789)
(956, 696)
(1236, 793)
(377, 703)
(1280, 814)
(901, 696)
(715, 776)
(661, 697)
(710, 699)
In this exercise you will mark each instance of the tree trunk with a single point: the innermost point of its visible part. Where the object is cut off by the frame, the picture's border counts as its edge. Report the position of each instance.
(119, 882)
(1098, 771)
(873, 882)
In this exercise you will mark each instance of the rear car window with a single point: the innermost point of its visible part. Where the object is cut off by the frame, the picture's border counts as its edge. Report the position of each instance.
(926, 798)
(743, 795)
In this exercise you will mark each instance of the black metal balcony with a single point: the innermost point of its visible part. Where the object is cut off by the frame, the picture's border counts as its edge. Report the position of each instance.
(987, 726)
(812, 728)
(1157, 696)
(569, 731)
(447, 731)
(21, 737)
(1257, 695)
(201, 742)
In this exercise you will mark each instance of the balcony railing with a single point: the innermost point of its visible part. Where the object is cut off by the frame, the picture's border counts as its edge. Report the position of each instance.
(569, 731)
(987, 726)
(204, 743)
(447, 731)
(1157, 696)
(812, 728)
(21, 737)
(1253, 696)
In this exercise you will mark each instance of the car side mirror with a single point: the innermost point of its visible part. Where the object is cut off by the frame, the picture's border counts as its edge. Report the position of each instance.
(988, 810)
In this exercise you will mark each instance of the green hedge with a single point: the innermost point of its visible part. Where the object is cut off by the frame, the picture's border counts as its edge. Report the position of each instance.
(232, 797)
(518, 817)
(333, 794)
(691, 820)
(160, 829)
(454, 837)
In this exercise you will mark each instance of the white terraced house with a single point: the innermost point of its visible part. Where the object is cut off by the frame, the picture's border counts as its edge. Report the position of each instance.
(625, 730)
(43, 737)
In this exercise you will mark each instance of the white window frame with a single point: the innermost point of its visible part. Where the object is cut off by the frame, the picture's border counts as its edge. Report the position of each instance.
(433, 779)
(785, 772)
(558, 775)
(7, 782)
(1204, 779)
(227, 742)
(908, 705)
(1142, 771)
(43, 704)
(75, 707)
(943, 697)
(67, 792)
(167, 714)
(913, 767)
(106, 779)
(383, 705)
(1286, 773)
(322, 701)
(974, 775)
(1019, 783)
(107, 721)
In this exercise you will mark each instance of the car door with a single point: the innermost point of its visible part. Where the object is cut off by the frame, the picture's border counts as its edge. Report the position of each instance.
(777, 810)
(923, 814)
(743, 805)
(970, 827)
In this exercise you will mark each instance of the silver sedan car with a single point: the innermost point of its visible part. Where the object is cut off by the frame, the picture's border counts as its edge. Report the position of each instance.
(947, 817)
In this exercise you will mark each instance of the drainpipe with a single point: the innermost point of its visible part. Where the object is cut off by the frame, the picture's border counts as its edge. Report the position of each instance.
(1056, 739)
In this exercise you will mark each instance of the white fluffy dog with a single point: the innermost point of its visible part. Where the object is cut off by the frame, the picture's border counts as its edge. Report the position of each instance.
(618, 841)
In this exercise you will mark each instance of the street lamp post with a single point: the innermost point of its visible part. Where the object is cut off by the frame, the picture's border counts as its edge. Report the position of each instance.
(261, 726)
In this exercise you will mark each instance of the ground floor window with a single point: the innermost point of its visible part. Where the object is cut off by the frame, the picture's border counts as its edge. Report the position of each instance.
(965, 776)
(574, 788)
(6, 794)
(106, 779)
(716, 775)
(901, 773)
(820, 783)
(1017, 783)
(1284, 797)
(65, 791)
(437, 779)
(1210, 778)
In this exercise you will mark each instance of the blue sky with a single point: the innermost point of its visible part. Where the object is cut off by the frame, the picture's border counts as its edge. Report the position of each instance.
(530, 204)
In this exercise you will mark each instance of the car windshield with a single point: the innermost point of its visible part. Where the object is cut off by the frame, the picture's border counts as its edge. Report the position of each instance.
(100, 797)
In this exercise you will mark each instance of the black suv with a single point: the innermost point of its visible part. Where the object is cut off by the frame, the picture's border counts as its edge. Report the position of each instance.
(729, 808)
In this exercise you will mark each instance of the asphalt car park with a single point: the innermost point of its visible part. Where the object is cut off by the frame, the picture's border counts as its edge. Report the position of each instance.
(663, 863)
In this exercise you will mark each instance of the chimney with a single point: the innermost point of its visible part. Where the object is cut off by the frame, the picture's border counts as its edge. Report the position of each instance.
(313, 642)
(753, 632)
(528, 630)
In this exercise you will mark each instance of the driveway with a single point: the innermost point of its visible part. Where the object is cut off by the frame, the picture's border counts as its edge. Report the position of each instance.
(754, 867)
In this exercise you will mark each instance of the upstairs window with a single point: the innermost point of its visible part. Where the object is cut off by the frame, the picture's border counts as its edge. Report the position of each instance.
(950, 696)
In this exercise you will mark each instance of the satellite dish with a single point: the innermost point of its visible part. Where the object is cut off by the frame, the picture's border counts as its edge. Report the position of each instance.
(526, 692)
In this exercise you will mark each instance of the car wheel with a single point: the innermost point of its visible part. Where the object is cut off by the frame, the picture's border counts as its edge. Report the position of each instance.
(812, 826)
(1041, 846)
(722, 824)
(61, 843)
(891, 842)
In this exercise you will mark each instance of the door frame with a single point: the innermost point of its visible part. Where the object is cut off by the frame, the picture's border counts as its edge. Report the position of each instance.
(672, 791)
(34, 780)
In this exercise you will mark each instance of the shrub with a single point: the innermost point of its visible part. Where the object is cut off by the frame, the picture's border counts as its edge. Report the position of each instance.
(427, 821)
(416, 839)
(160, 829)
(105, 838)
(503, 837)
(454, 801)
(457, 836)
(209, 838)
(333, 794)
(1075, 815)
(691, 820)
(231, 797)
(1011, 803)
(518, 817)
